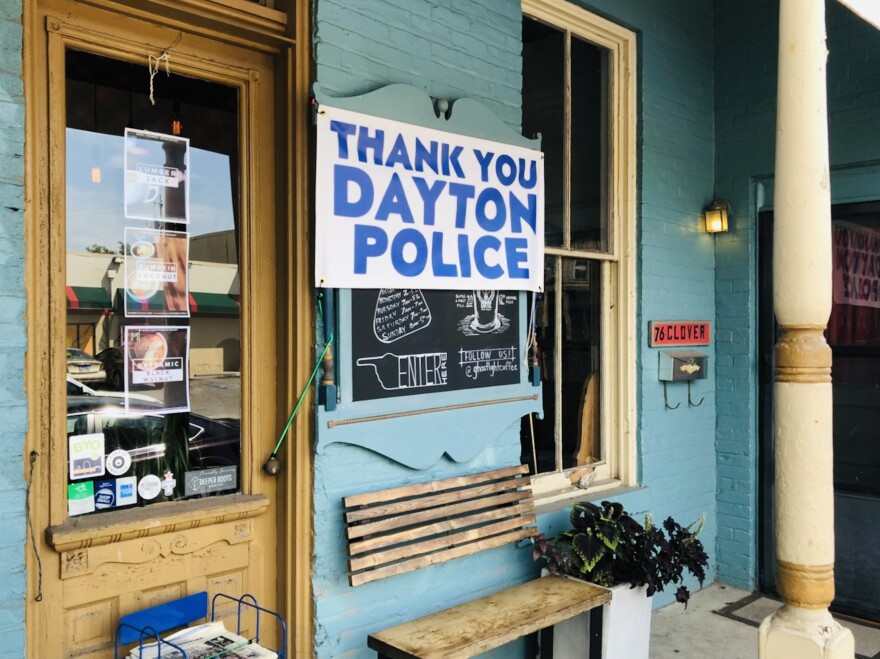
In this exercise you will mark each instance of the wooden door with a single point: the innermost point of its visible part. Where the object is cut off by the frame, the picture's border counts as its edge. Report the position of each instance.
(99, 68)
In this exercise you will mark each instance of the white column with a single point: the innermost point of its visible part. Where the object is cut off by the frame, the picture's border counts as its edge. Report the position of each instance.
(803, 628)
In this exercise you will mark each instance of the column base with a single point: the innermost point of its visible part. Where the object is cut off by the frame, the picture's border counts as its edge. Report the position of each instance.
(795, 633)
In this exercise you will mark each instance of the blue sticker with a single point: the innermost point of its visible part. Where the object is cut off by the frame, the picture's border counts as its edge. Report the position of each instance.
(105, 494)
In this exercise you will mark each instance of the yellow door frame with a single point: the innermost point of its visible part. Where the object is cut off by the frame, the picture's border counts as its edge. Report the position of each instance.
(275, 254)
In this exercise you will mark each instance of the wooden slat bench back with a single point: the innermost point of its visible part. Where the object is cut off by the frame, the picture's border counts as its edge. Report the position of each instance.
(406, 528)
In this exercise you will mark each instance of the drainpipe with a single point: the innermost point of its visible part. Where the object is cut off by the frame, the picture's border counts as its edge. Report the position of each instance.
(803, 628)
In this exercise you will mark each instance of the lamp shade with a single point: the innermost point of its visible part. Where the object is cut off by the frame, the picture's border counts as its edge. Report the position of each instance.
(716, 216)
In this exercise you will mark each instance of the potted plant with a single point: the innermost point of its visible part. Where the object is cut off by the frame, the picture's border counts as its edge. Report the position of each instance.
(606, 546)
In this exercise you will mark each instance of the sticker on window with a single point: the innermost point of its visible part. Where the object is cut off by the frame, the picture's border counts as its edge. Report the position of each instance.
(81, 498)
(86, 456)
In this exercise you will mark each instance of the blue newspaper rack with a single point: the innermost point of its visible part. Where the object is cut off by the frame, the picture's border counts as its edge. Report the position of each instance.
(145, 626)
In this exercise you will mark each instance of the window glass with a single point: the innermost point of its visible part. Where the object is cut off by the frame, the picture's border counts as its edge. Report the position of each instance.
(578, 348)
(854, 336)
(543, 112)
(588, 214)
(569, 313)
(152, 286)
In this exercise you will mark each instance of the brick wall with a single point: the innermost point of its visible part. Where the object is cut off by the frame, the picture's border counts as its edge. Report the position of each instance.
(13, 406)
(745, 100)
(676, 257)
(449, 49)
(471, 48)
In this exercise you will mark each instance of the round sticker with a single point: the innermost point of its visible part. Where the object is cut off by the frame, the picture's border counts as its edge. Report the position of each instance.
(149, 487)
(118, 462)
(105, 495)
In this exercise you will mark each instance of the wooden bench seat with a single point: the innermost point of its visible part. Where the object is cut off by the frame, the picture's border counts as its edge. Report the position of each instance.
(489, 622)
(406, 528)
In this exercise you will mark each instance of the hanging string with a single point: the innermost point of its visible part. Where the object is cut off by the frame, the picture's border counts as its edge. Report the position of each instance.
(30, 524)
(155, 63)
(154, 69)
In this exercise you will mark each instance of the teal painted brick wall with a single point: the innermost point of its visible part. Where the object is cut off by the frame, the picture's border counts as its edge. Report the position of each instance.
(449, 49)
(472, 48)
(463, 48)
(745, 90)
(676, 258)
(438, 47)
(745, 101)
(13, 406)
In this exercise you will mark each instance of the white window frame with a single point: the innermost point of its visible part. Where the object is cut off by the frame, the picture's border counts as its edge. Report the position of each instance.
(617, 406)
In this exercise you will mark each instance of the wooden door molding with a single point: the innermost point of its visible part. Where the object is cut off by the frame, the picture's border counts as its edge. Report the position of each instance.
(184, 540)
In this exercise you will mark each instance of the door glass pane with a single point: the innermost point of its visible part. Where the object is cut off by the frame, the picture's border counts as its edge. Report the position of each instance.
(152, 286)
(543, 111)
(854, 335)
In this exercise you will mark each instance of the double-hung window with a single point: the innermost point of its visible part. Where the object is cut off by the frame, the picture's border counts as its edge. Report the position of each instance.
(578, 94)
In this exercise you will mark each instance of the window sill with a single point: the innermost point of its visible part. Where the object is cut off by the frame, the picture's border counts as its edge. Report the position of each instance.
(97, 530)
(552, 500)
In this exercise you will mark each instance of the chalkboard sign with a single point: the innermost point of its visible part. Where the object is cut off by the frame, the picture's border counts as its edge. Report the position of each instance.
(412, 341)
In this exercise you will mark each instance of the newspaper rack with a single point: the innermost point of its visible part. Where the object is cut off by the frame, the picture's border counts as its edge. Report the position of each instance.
(146, 625)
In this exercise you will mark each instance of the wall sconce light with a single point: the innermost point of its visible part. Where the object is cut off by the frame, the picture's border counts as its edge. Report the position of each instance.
(716, 216)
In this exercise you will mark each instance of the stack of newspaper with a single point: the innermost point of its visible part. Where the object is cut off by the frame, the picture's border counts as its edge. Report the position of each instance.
(208, 641)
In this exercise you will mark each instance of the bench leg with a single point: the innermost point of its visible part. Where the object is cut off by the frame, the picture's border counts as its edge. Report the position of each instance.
(595, 647)
(596, 632)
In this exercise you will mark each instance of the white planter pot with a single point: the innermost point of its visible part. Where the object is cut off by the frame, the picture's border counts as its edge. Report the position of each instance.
(626, 628)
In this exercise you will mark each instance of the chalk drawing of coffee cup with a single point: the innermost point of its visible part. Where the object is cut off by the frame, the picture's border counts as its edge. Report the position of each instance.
(485, 312)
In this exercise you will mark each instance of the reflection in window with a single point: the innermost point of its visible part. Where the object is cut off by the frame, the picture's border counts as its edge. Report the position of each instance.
(854, 336)
(151, 203)
(564, 99)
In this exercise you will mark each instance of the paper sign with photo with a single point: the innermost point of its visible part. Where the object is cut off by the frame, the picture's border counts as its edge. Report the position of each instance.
(156, 279)
(157, 358)
(155, 176)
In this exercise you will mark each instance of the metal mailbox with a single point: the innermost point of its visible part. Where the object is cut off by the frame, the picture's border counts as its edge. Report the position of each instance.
(683, 365)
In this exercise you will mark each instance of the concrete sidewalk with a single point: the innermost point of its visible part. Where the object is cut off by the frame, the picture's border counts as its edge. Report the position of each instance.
(698, 632)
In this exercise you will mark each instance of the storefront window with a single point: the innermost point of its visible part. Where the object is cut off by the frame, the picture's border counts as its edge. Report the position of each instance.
(153, 286)
(577, 97)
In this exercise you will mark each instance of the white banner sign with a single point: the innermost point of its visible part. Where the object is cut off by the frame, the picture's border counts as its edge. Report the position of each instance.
(401, 206)
(856, 261)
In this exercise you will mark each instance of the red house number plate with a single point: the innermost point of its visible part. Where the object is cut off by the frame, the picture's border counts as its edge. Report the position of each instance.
(679, 333)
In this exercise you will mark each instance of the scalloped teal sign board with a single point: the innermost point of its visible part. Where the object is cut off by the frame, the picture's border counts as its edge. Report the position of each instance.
(432, 225)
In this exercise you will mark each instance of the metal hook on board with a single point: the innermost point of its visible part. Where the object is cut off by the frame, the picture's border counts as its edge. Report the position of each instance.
(666, 399)
(691, 403)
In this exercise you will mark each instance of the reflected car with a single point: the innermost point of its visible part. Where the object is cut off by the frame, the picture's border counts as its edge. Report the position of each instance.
(114, 365)
(83, 366)
(144, 432)
(77, 388)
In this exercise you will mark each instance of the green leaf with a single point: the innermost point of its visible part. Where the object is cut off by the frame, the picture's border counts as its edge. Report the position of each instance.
(590, 550)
